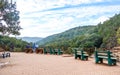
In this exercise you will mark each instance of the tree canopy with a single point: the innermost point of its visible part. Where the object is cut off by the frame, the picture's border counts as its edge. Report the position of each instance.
(9, 18)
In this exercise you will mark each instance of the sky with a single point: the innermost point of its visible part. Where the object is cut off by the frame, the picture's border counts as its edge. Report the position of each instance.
(42, 18)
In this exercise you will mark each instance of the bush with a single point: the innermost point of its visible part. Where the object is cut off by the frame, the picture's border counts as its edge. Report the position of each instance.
(69, 51)
(17, 50)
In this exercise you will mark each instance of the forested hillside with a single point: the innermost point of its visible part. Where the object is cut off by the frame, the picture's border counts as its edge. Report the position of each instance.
(67, 35)
(101, 35)
(108, 30)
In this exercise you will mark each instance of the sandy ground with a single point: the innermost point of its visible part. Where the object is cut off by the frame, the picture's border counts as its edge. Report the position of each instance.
(40, 64)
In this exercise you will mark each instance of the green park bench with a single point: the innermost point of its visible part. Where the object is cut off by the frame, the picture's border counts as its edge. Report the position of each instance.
(81, 54)
(57, 51)
(49, 50)
(45, 51)
(60, 52)
(53, 51)
(100, 55)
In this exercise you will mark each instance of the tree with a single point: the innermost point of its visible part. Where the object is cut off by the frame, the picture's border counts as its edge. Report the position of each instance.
(118, 36)
(9, 18)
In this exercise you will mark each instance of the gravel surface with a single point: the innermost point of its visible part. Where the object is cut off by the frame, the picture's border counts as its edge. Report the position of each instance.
(40, 64)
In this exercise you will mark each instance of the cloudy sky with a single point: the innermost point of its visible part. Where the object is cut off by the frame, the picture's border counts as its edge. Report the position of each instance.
(41, 18)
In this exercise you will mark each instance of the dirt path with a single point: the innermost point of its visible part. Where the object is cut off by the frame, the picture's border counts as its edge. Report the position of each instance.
(40, 64)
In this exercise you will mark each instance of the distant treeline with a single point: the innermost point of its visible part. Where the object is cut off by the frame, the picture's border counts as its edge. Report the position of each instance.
(12, 44)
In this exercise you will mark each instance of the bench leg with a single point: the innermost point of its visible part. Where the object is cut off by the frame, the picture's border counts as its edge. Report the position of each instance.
(86, 58)
(79, 56)
(75, 56)
(96, 60)
(110, 62)
(114, 62)
(55, 53)
(101, 60)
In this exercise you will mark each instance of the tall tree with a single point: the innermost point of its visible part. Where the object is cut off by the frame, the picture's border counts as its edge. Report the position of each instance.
(118, 36)
(9, 18)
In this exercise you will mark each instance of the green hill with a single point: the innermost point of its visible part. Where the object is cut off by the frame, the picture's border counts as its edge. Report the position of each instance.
(67, 35)
(101, 35)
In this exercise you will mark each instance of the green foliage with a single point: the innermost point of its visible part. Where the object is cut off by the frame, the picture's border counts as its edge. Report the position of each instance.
(9, 18)
(106, 35)
(69, 50)
(118, 36)
(108, 31)
(17, 50)
(5, 43)
(67, 35)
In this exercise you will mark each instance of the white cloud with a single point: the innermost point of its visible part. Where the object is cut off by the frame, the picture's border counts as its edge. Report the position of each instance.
(46, 17)
(101, 19)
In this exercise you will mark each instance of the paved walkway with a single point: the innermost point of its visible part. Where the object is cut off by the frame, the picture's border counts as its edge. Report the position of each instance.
(40, 64)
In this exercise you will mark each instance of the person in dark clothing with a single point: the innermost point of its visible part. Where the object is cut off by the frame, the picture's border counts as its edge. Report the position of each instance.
(28, 46)
(11, 47)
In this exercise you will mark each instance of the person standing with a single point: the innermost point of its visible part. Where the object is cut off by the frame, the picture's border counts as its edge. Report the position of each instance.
(11, 47)
(34, 47)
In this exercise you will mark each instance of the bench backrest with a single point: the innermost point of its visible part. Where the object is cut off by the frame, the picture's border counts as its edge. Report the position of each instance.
(107, 54)
(80, 52)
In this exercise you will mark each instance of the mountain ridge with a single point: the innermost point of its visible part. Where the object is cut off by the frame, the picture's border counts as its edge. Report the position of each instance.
(68, 34)
(30, 39)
